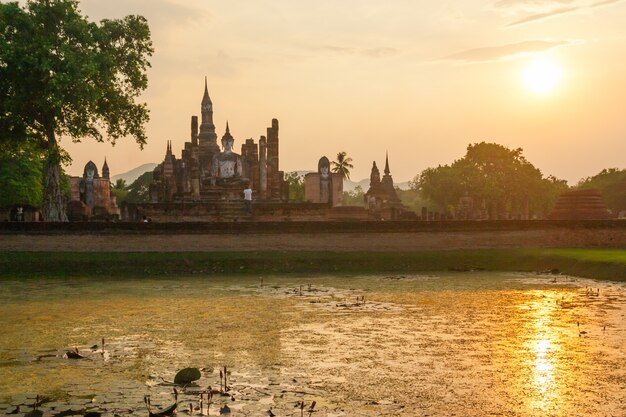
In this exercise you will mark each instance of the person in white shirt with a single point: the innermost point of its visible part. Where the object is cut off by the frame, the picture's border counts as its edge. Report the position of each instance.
(247, 198)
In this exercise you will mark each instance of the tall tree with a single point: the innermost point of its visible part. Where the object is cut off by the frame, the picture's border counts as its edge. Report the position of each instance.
(342, 165)
(61, 75)
(612, 184)
(492, 174)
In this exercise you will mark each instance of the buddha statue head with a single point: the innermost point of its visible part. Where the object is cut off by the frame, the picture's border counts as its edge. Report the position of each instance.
(227, 141)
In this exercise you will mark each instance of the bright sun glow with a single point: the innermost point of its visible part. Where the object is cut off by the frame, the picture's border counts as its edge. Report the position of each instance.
(541, 76)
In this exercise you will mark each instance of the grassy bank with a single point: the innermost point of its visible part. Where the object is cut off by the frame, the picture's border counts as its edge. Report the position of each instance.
(592, 263)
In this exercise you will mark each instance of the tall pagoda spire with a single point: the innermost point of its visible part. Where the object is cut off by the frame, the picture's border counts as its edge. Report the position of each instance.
(207, 138)
(105, 169)
(387, 171)
(207, 105)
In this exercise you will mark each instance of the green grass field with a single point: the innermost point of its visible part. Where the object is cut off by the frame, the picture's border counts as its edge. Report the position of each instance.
(592, 263)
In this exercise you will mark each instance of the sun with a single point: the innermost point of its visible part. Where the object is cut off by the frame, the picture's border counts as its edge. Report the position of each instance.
(541, 76)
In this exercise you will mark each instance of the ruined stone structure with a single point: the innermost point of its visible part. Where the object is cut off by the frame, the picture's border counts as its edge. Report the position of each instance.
(204, 173)
(323, 186)
(381, 198)
(91, 197)
(580, 205)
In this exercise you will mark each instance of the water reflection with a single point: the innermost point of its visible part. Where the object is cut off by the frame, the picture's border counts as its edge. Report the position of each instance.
(445, 344)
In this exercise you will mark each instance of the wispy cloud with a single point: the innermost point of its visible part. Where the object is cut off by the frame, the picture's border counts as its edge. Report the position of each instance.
(544, 9)
(531, 5)
(379, 52)
(504, 52)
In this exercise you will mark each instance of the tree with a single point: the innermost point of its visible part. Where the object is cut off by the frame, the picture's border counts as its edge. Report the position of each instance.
(20, 175)
(139, 190)
(343, 165)
(61, 75)
(355, 197)
(612, 184)
(500, 178)
(296, 186)
(120, 190)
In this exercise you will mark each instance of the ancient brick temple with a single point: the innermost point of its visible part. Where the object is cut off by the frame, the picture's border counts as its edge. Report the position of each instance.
(381, 198)
(91, 197)
(206, 173)
(580, 205)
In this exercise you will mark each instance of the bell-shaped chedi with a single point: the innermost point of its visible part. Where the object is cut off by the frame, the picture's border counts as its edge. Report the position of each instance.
(580, 205)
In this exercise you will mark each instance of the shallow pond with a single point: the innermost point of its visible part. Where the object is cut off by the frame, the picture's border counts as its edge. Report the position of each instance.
(446, 344)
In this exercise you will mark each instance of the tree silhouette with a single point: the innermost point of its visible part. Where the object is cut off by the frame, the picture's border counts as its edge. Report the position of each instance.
(342, 165)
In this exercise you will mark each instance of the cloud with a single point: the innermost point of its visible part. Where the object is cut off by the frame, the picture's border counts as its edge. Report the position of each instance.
(544, 9)
(531, 5)
(502, 52)
(379, 52)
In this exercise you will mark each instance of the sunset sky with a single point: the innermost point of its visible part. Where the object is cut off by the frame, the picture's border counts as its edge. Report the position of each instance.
(419, 79)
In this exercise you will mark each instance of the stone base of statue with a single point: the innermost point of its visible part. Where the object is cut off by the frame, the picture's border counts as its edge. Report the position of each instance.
(224, 189)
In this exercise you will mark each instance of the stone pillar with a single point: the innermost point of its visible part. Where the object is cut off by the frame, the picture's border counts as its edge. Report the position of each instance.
(194, 130)
(273, 179)
(263, 168)
(250, 159)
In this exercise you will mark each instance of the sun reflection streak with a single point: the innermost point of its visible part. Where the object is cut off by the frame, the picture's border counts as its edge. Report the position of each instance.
(544, 346)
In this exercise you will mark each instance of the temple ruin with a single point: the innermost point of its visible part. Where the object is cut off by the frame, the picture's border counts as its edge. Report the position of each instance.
(206, 173)
(91, 197)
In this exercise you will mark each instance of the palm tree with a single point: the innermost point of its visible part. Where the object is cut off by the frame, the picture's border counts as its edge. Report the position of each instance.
(120, 184)
(342, 165)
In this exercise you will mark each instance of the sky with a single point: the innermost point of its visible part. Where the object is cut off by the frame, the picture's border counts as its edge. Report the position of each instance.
(415, 78)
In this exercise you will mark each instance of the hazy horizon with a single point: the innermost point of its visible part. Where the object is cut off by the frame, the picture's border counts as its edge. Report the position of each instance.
(420, 80)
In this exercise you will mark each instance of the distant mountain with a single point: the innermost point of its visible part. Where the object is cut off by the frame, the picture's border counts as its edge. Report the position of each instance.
(365, 185)
(133, 174)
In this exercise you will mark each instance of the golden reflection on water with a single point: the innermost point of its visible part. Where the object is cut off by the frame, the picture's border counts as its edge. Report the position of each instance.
(448, 344)
(544, 347)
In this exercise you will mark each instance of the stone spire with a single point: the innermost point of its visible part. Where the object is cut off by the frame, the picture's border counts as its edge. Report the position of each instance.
(207, 105)
(374, 176)
(168, 163)
(105, 169)
(207, 139)
(387, 171)
(387, 181)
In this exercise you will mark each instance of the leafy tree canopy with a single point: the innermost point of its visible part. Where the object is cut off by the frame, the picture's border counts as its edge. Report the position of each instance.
(61, 75)
(296, 186)
(21, 169)
(355, 197)
(139, 190)
(492, 174)
(612, 183)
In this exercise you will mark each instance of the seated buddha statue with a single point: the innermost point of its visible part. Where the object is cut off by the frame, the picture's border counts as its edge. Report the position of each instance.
(226, 166)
